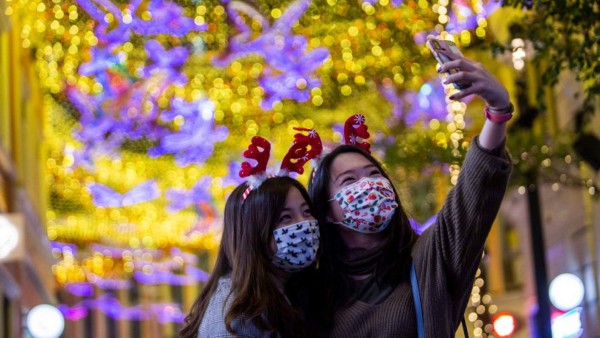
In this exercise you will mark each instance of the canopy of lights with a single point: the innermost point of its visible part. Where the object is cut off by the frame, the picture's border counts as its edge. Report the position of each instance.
(149, 105)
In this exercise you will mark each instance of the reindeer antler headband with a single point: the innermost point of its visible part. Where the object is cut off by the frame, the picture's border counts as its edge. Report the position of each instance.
(355, 129)
(294, 161)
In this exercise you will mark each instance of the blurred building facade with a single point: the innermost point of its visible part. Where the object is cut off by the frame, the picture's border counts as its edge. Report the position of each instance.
(569, 208)
(26, 278)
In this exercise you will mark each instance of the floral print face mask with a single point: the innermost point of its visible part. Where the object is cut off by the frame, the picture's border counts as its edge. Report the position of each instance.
(297, 245)
(368, 204)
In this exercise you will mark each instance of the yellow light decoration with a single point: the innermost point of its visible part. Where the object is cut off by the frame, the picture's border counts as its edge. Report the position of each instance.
(367, 44)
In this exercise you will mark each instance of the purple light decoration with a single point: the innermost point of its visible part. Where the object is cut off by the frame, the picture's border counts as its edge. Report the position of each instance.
(196, 273)
(106, 197)
(395, 3)
(193, 276)
(117, 114)
(167, 61)
(120, 252)
(463, 17)
(290, 67)
(73, 313)
(111, 307)
(63, 247)
(168, 313)
(109, 283)
(102, 59)
(421, 227)
(194, 142)
(180, 198)
(188, 258)
(82, 289)
(233, 178)
(388, 91)
(117, 35)
(167, 18)
(427, 104)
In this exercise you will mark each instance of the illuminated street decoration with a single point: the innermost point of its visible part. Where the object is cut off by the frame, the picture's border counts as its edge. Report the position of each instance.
(105, 197)
(148, 104)
(289, 74)
(110, 306)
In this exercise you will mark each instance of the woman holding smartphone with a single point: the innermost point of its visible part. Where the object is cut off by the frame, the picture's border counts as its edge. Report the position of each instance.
(377, 278)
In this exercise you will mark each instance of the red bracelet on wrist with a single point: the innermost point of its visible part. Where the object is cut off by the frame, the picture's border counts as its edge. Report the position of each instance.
(499, 117)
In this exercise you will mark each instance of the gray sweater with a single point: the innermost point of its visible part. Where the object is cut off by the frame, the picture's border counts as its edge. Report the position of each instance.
(213, 322)
(446, 257)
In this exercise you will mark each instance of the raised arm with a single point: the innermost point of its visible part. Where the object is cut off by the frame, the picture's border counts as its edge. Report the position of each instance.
(447, 255)
(480, 82)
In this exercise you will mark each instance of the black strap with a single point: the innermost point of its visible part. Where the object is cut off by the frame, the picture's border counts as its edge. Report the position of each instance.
(464, 325)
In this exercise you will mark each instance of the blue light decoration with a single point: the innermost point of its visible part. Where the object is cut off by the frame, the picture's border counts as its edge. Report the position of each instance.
(568, 324)
(289, 73)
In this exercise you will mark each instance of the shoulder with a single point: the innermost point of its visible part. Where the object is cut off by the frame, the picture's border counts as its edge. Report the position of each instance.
(213, 322)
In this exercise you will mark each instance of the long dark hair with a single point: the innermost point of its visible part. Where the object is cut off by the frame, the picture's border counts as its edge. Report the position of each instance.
(400, 237)
(244, 255)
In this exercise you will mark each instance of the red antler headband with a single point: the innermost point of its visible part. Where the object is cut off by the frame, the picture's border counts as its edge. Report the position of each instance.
(355, 128)
(299, 153)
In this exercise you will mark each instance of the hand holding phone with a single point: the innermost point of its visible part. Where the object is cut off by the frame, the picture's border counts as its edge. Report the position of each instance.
(445, 51)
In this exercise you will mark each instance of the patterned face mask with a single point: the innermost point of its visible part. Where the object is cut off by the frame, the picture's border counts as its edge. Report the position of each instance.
(368, 204)
(297, 245)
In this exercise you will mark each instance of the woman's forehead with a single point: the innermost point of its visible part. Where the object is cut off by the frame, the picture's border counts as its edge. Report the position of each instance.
(294, 197)
(348, 162)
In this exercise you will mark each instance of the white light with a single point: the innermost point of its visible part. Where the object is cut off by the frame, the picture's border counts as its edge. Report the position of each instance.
(45, 321)
(566, 291)
(206, 109)
(567, 325)
(504, 325)
(9, 237)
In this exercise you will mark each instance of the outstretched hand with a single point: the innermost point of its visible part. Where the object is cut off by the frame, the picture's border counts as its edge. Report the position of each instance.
(478, 81)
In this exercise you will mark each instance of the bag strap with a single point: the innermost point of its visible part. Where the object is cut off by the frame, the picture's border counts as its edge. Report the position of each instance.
(417, 300)
(419, 309)
(464, 326)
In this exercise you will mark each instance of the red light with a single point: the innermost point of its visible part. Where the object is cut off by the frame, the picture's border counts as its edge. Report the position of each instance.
(504, 324)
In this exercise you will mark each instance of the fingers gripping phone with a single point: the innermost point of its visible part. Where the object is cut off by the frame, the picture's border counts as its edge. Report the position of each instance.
(444, 51)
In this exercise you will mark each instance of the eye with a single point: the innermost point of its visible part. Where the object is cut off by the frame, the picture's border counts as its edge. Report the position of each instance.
(284, 218)
(347, 179)
(306, 212)
(375, 172)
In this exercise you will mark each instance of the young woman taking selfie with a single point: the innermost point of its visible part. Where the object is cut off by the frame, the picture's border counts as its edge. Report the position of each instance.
(377, 278)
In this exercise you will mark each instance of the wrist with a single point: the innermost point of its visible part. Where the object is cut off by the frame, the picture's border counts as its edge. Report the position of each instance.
(500, 108)
(499, 115)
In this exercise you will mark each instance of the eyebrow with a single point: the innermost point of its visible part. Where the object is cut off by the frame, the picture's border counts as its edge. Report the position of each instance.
(371, 165)
(304, 204)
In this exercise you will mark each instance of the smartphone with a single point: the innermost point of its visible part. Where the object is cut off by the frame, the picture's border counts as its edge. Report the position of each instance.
(441, 50)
